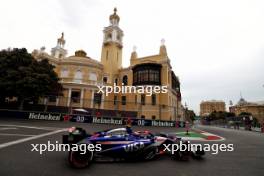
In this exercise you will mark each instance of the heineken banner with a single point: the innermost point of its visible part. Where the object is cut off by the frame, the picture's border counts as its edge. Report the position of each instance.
(44, 116)
(87, 118)
(122, 121)
(31, 115)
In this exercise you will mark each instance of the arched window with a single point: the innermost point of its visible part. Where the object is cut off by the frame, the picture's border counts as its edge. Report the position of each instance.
(93, 77)
(123, 100)
(153, 99)
(143, 99)
(78, 76)
(109, 36)
(125, 80)
(105, 79)
(64, 73)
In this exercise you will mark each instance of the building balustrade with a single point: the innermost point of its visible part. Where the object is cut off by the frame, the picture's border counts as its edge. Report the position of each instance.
(81, 81)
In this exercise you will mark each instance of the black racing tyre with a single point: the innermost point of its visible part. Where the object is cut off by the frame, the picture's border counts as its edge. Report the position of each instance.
(198, 154)
(79, 160)
(181, 156)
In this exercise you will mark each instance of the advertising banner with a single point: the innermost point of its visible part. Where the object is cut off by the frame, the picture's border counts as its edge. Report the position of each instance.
(88, 119)
(122, 121)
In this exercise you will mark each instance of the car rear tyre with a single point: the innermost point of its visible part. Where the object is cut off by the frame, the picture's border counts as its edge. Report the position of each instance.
(198, 154)
(150, 153)
(79, 160)
(181, 156)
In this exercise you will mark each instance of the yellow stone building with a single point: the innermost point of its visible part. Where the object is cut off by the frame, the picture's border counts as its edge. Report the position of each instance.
(256, 109)
(81, 75)
(207, 107)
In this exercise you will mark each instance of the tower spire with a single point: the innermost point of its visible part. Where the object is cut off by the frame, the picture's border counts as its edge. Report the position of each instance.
(61, 41)
(59, 51)
(163, 50)
(111, 55)
(112, 33)
(114, 18)
(241, 95)
(134, 53)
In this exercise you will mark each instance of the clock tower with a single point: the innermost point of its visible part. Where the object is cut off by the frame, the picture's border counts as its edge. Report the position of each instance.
(111, 56)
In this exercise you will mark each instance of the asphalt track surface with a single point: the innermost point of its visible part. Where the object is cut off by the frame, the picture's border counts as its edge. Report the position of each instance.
(16, 158)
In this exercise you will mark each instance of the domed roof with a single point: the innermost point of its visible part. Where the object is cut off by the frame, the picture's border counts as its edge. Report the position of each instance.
(114, 16)
(80, 58)
(80, 53)
(242, 101)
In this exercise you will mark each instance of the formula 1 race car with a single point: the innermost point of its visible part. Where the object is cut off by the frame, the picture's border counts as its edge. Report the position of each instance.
(118, 145)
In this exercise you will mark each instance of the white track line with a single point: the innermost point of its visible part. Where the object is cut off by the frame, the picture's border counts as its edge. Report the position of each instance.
(29, 138)
(12, 128)
(33, 127)
(193, 139)
(13, 134)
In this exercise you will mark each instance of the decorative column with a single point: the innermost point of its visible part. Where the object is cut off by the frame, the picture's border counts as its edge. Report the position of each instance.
(92, 99)
(160, 109)
(45, 101)
(102, 101)
(57, 101)
(177, 109)
(81, 99)
(69, 97)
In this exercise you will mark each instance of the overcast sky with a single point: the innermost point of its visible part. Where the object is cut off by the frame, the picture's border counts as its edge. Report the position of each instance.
(215, 47)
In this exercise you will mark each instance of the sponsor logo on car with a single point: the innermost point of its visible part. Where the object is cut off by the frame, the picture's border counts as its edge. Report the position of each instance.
(134, 146)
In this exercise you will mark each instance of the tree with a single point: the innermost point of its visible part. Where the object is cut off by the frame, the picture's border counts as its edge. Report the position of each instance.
(190, 114)
(245, 114)
(220, 115)
(24, 77)
(212, 115)
(230, 114)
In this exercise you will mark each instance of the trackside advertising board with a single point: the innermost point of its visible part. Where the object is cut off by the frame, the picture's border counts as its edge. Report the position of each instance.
(122, 121)
(87, 119)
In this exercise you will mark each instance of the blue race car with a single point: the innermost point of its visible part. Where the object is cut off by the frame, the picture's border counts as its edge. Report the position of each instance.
(119, 145)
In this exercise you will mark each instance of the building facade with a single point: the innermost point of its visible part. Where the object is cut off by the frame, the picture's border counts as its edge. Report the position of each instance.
(207, 107)
(81, 75)
(256, 109)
